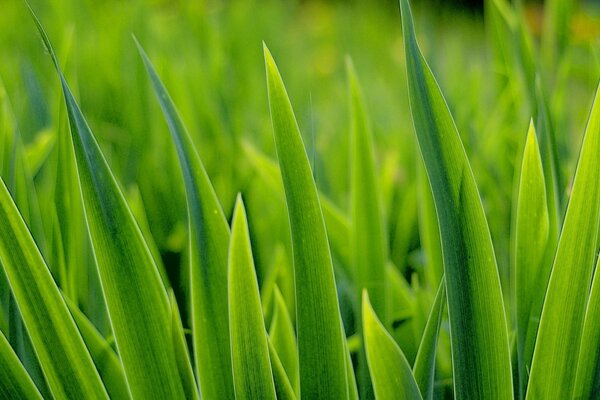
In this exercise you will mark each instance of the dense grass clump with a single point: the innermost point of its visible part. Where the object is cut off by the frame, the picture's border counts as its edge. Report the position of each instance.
(413, 214)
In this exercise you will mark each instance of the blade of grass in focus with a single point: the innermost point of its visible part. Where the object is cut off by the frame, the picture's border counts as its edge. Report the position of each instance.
(319, 329)
(283, 339)
(390, 372)
(252, 374)
(15, 383)
(137, 301)
(561, 325)
(208, 241)
(481, 357)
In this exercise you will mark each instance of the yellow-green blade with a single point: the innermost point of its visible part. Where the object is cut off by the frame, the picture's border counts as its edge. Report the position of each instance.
(390, 372)
(63, 357)
(208, 241)
(424, 368)
(481, 357)
(283, 339)
(136, 299)
(319, 330)
(557, 345)
(106, 360)
(283, 387)
(252, 376)
(532, 267)
(15, 383)
(587, 378)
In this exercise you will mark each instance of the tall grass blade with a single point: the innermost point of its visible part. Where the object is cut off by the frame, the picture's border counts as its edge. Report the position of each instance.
(136, 299)
(208, 241)
(481, 357)
(252, 376)
(283, 339)
(15, 383)
(390, 372)
(319, 329)
(558, 340)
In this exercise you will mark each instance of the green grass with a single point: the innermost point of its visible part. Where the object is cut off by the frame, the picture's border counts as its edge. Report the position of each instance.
(405, 205)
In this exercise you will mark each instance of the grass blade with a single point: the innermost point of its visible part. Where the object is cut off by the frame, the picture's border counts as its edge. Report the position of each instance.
(424, 368)
(531, 264)
(15, 383)
(136, 299)
(283, 339)
(320, 334)
(480, 350)
(283, 387)
(557, 345)
(252, 376)
(390, 372)
(208, 241)
(62, 354)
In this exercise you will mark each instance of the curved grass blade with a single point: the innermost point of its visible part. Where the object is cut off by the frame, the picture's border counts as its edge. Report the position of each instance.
(136, 299)
(532, 266)
(106, 360)
(15, 383)
(480, 350)
(208, 241)
(283, 387)
(587, 378)
(283, 339)
(390, 372)
(559, 335)
(320, 334)
(424, 368)
(252, 376)
(63, 357)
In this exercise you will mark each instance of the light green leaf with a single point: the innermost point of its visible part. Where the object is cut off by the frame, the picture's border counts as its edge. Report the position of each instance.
(531, 264)
(424, 368)
(480, 350)
(14, 381)
(283, 339)
(252, 376)
(283, 387)
(106, 360)
(208, 241)
(557, 345)
(390, 372)
(65, 361)
(587, 378)
(136, 299)
(320, 334)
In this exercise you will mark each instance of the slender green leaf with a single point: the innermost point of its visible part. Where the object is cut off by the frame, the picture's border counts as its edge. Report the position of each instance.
(480, 350)
(283, 387)
(283, 339)
(390, 371)
(252, 376)
(561, 325)
(106, 360)
(320, 334)
(208, 241)
(424, 368)
(587, 379)
(136, 299)
(14, 381)
(62, 354)
(531, 264)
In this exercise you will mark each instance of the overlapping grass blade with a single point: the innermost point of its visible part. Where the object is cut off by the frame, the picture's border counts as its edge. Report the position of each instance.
(283, 339)
(65, 361)
(320, 334)
(587, 378)
(424, 368)
(208, 241)
(283, 387)
(106, 360)
(15, 383)
(136, 299)
(481, 356)
(532, 266)
(390, 372)
(252, 376)
(558, 340)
